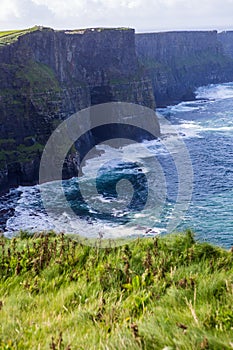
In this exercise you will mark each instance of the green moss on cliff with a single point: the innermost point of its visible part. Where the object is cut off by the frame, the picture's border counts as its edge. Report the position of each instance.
(20, 153)
(202, 60)
(152, 64)
(40, 77)
(6, 141)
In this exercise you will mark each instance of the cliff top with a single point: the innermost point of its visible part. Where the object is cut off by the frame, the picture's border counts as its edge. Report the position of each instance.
(10, 36)
(179, 32)
(98, 30)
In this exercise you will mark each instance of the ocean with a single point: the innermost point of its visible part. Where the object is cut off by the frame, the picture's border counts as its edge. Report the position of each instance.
(149, 188)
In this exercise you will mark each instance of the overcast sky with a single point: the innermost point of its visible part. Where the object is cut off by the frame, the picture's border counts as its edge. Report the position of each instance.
(143, 15)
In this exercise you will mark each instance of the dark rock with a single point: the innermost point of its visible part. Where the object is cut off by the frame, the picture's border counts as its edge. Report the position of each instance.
(179, 62)
(226, 39)
(46, 76)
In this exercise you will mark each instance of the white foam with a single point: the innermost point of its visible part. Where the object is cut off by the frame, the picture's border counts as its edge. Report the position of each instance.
(213, 120)
(29, 216)
(189, 106)
(196, 129)
(220, 129)
(215, 91)
(190, 129)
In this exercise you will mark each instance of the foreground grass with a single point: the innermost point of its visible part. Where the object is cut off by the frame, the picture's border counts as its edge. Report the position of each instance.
(163, 293)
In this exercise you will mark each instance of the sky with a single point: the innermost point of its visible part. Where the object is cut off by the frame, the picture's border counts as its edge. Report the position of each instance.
(143, 15)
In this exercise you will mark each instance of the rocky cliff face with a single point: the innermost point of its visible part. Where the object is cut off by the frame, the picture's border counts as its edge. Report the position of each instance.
(179, 62)
(47, 75)
(226, 39)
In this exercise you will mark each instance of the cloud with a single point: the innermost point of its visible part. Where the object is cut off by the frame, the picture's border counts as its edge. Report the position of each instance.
(16, 14)
(151, 15)
(8, 9)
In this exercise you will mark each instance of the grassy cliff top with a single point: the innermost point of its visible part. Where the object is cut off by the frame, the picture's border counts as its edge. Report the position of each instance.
(10, 36)
(99, 29)
(163, 293)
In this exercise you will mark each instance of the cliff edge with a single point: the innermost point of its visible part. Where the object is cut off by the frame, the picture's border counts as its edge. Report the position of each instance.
(179, 62)
(47, 75)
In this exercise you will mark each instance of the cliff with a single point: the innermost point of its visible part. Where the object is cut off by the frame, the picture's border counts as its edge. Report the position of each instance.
(226, 39)
(47, 75)
(179, 62)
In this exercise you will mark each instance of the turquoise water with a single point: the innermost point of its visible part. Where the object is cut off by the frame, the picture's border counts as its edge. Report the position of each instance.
(134, 190)
(208, 128)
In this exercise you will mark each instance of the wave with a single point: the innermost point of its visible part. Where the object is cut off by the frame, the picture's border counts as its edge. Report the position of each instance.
(208, 119)
(210, 112)
(190, 129)
(189, 106)
(215, 91)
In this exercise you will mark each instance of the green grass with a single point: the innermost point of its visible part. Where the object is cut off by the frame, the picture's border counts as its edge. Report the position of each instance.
(164, 293)
(9, 32)
(10, 36)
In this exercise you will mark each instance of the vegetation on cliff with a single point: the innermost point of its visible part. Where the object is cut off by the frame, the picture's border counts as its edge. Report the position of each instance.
(47, 75)
(157, 293)
(10, 36)
(179, 62)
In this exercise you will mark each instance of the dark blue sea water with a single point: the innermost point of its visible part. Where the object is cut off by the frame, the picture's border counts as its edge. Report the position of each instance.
(151, 188)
